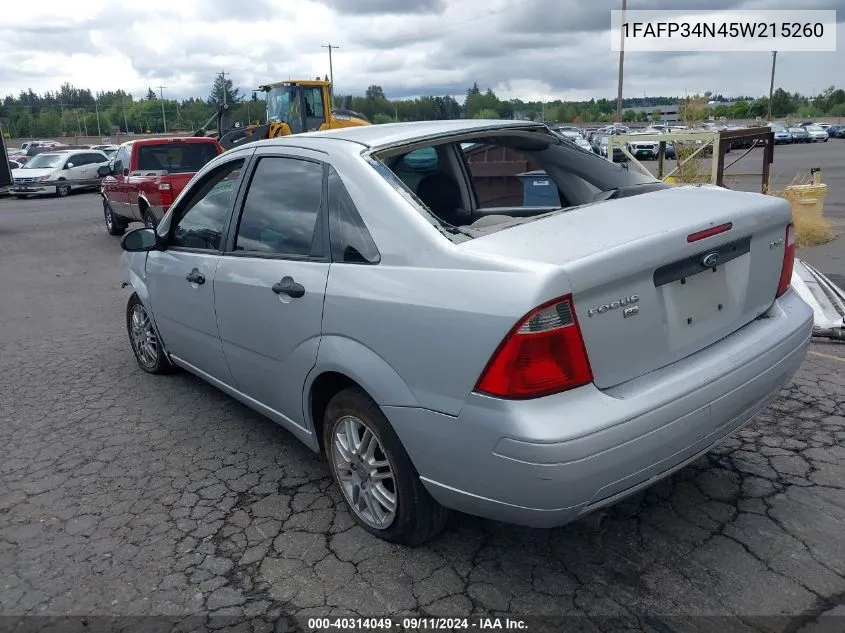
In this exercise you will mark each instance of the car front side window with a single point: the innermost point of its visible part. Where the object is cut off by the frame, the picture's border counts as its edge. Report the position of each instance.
(198, 224)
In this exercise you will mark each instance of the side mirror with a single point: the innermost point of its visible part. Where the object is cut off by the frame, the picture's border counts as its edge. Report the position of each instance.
(125, 171)
(103, 170)
(140, 240)
(69, 165)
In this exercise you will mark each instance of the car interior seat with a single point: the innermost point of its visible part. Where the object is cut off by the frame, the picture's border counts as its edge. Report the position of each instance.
(442, 195)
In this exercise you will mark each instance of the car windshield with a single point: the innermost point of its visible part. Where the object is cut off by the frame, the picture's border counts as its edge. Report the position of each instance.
(279, 103)
(43, 161)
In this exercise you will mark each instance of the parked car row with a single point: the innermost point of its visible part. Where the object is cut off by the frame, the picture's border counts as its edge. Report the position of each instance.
(800, 133)
(50, 168)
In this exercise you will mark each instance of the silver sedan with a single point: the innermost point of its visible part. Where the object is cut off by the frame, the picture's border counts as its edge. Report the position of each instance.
(471, 315)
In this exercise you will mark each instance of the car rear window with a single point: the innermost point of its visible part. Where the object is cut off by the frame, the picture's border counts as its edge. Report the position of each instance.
(175, 158)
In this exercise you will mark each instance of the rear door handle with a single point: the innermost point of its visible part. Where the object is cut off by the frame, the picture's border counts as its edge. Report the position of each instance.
(195, 277)
(289, 287)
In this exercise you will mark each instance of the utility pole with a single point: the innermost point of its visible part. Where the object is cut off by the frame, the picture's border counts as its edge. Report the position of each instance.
(222, 75)
(97, 110)
(330, 46)
(163, 120)
(772, 84)
(125, 124)
(621, 63)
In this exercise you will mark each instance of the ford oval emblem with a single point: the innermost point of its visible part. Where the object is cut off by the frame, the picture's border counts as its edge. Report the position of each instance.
(710, 259)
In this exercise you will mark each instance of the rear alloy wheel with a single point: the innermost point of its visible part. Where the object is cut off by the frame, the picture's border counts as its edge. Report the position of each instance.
(378, 481)
(144, 338)
(113, 225)
(62, 190)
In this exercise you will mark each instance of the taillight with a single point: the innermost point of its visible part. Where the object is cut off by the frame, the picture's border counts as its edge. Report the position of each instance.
(543, 354)
(165, 194)
(788, 261)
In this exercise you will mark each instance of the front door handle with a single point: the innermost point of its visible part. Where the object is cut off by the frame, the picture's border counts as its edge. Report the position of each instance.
(195, 277)
(289, 287)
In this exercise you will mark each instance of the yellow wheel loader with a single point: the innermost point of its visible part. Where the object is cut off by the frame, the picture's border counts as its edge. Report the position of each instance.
(293, 107)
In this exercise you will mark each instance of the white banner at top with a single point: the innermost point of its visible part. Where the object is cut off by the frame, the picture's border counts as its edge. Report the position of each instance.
(734, 31)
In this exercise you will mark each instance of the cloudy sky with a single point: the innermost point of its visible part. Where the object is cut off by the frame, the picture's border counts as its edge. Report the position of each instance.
(530, 49)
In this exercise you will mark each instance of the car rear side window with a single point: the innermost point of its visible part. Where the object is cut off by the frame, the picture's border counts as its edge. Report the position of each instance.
(199, 222)
(175, 158)
(281, 208)
(351, 241)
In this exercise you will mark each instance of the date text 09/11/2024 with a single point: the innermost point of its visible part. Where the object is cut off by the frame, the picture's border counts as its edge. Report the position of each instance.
(478, 623)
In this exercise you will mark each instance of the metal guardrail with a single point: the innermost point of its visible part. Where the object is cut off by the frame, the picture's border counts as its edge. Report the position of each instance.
(720, 142)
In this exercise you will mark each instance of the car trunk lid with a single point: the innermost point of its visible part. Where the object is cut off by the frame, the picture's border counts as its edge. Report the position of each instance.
(645, 292)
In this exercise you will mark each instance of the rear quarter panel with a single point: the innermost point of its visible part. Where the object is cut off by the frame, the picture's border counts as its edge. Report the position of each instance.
(426, 319)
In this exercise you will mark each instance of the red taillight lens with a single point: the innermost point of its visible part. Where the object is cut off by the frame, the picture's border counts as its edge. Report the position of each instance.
(788, 261)
(543, 354)
(165, 194)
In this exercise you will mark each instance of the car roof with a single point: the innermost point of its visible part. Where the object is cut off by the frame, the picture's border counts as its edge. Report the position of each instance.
(387, 134)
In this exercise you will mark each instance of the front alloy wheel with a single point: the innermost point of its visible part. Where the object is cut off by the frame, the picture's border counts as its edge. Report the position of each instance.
(62, 190)
(144, 339)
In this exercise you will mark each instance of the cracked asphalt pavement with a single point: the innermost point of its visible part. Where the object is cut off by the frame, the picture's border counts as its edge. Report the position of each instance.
(125, 494)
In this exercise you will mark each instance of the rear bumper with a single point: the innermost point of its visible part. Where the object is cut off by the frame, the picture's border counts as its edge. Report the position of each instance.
(546, 462)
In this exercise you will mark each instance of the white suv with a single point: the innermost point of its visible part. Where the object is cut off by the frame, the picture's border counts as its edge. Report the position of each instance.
(58, 173)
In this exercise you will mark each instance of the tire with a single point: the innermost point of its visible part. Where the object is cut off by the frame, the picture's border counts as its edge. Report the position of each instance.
(63, 190)
(416, 517)
(149, 220)
(114, 226)
(144, 339)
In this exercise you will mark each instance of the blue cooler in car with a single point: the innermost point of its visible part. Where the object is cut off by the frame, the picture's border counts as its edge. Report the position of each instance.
(538, 189)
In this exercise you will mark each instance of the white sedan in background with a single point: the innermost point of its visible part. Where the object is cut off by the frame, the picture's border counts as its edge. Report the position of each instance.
(58, 173)
(817, 133)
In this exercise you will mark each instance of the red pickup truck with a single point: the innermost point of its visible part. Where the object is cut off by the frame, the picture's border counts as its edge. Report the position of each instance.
(145, 176)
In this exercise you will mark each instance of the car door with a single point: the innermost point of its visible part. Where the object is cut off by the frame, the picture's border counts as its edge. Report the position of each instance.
(116, 183)
(74, 168)
(271, 281)
(180, 277)
(94, 161)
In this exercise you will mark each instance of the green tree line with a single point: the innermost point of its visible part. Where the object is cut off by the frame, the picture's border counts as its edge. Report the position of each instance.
(71, 111)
